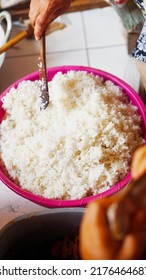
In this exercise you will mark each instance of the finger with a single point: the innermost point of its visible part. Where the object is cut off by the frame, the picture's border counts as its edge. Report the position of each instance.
(33, 13)
(138, 166)
(46, 17)
(129, 248)
(60, 8)
(43, 20)
(40, 24)
(33, 16)
(95, 239)
(139, 221)
(133, 246)
(56, 13)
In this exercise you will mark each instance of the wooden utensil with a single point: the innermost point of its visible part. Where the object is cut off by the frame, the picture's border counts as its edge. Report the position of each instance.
(29, 33)
(44, 96)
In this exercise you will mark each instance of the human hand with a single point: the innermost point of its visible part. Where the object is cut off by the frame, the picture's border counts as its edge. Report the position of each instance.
(96, 238)
(97, 242)
(138, 167)
(43, 12)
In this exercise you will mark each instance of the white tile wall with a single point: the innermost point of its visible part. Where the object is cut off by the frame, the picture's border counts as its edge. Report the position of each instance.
(17, 67)
(76, 57)
(111, 59)
(94, 37)
(103, 27)
(70, 38)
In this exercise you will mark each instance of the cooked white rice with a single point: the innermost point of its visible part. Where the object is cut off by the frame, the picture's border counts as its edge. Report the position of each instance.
(80, 145)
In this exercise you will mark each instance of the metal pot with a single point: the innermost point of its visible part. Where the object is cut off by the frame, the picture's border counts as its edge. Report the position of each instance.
(32, 235)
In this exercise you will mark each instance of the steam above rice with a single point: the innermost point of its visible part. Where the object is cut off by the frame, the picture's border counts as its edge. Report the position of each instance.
(80, 145)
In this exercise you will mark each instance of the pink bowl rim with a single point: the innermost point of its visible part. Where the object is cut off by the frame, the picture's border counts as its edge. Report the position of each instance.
(55, 203)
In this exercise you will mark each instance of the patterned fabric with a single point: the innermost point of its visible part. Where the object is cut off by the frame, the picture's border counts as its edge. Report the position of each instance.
(142, 6)
(140, 49)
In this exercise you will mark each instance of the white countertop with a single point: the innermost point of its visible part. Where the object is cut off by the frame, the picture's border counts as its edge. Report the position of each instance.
(13, 205)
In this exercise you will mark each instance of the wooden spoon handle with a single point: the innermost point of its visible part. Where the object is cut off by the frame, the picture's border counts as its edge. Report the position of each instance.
(13, 41)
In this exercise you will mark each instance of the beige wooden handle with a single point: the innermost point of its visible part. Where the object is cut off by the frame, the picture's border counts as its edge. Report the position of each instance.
(13, 41)
(54, 26)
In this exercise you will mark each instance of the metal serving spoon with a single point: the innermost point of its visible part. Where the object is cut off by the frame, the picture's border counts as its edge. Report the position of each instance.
(44, 96)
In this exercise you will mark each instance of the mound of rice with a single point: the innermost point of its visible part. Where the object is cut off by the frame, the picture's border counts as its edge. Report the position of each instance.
(80, 145)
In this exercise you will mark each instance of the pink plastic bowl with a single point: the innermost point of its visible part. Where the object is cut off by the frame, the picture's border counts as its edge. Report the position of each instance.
(135, 99)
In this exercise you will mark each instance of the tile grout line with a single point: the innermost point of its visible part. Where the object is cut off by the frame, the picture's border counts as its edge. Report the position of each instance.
(64, 51)
(85, 37)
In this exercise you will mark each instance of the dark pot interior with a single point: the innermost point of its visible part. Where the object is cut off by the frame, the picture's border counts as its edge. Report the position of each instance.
(49, 235)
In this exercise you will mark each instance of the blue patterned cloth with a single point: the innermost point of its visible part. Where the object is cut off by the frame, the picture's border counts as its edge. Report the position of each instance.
(140, 49)
(142, 6)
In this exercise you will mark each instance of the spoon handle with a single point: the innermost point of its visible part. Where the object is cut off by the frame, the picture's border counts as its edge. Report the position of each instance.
(44, 96)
